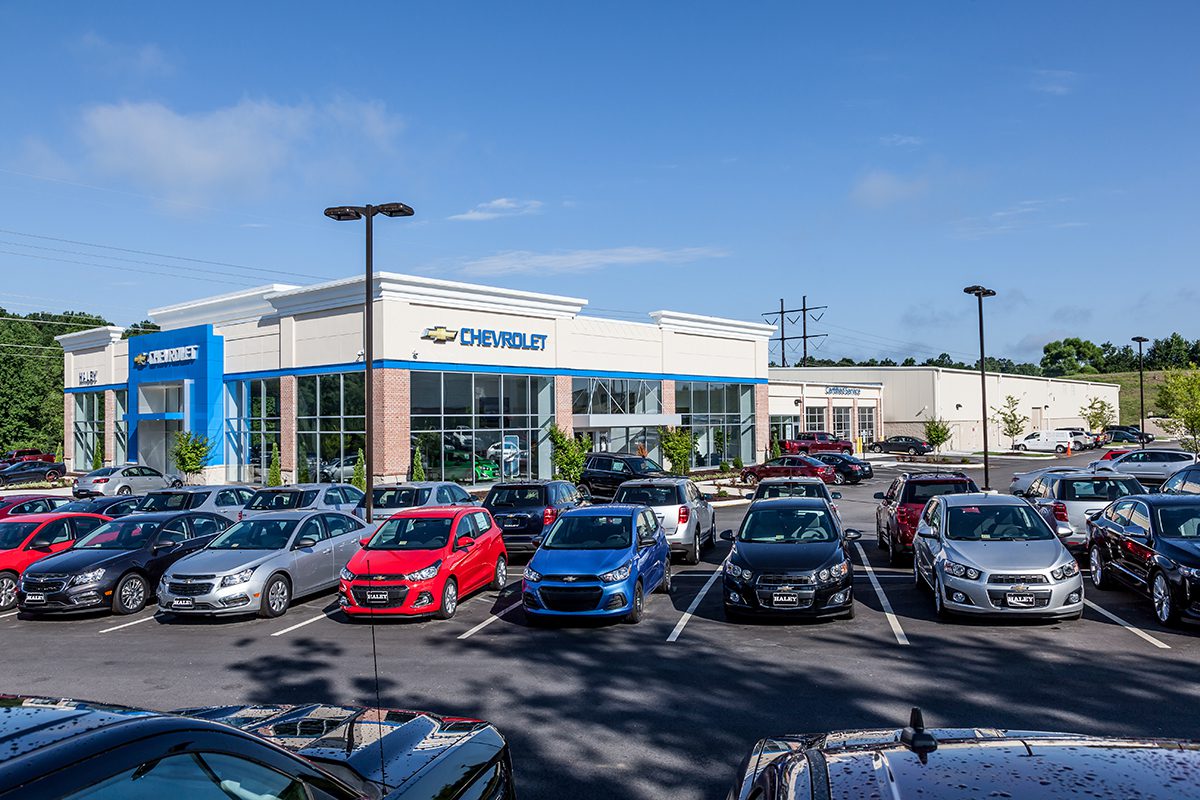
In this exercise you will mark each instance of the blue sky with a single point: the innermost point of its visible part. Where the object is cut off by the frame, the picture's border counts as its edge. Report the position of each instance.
(694, 156)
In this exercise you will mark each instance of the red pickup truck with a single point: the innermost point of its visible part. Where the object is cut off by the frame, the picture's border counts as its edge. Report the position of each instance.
(13, 456)
(817, 442)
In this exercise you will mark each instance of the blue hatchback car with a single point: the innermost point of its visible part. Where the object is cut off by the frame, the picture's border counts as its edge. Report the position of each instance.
(598, 561)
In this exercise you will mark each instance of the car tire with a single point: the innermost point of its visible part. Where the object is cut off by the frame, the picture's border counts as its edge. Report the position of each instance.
(838, 479)
(177, 484)
(939, 602)
(51, 475)
(1166, 610)
(639, 605)
(664, 586)
(894, 555)
(880, 542)
(1072, 617)
(124, 490)
(917, 579)
(1058, 448)
(750, 480)
(1100, 578)
(1018, 447)
(276, 597)
(850, 611)
(500, 574)
(692, 556)
(8, 590)
(912, 451)
(846, 451)
(876, 448)
(130, 595)
(733, 615)
(449, 605)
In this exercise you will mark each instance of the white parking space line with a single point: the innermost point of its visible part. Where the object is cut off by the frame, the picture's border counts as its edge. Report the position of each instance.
(1128, 626)
(886, 604)
(9, 614)
(489, 620)
(317, 618)
(127, 624)
(691, 609)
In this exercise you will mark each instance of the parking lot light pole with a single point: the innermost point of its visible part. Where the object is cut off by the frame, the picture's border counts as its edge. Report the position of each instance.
(1141, 340)
(350, 214)
(980, 293)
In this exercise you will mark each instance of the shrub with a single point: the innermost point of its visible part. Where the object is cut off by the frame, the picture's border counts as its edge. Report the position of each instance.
(192, 452)
(738, 464)
(98, 454)
(418, 467)
(567, 454)
(274, 473)
(725, 466)
(359, 478)
(678, 445)
(776, 450)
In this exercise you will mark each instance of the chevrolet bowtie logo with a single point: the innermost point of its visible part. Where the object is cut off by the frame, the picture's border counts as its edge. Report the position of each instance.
(570, 578)
(140, 359)
(441, 334)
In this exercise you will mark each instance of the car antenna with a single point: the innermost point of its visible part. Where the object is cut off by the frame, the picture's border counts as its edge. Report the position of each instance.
(378, 702)
(916, 738)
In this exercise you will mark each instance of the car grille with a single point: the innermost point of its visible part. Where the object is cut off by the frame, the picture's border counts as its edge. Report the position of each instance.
(182, 577)
(571, 578)
(395, 596)
(1009, 580)
(563, 598)
(380, 577)
(1000, 599)
(44, 583)
(189, 589)
(771, 579)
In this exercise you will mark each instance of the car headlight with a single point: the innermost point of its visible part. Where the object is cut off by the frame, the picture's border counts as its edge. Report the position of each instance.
(347, 575)
(237, 577)
(1190, 572)
(619, 574)
(836, 572)
(736, 572)
(1068, 570)
(88, 577)
(424, 574)
(532, 575)
(961, 571)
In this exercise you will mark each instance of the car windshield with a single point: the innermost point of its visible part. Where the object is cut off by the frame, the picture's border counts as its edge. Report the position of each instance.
(511, 496)
(412, 533)
(922, 492)
(787, 526)
(643, 465)
(274, 501)
(256, 534)
(590, 532)
(164, 501)
(996, 524)
(120, 534)
(1178, 522)
(1103, 490)
(648, 495)
(75, 507)
(769, 490)
(13, 533)
(101, 473)
(405, 497)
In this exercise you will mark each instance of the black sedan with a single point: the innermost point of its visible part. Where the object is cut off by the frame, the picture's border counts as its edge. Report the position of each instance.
(73, 750)
(789, 558)
(31, 472)
(1150, 543)
(847, 469)
(117, 565)
(964, 764)
(901, 444)
(108, 506)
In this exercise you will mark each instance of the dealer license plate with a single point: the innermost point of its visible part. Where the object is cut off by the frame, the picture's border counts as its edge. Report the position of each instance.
(784, 599)
(512, 523)
(1020, 600)
(377, 597)
(35, 598)
(183, 602)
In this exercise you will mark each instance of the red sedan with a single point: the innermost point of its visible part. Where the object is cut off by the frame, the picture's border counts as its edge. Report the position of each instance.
(28, 538)
(1109, 455)
(12, 505)
(795, 466)
(421, 561)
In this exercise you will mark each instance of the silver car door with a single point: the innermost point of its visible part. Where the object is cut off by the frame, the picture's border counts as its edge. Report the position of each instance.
(345, 538)
(312, 563)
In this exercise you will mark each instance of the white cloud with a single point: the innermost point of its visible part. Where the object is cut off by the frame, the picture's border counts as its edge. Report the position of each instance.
(880, 188)
(144, 59)
(573, 261)
(500, 207)
(900, 140)
(1023, 215)
(1054, 81)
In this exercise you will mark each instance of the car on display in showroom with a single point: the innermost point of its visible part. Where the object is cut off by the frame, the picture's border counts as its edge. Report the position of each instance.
(795, 487)
(1071, 498)
(1185, 481)
(76, 750)
(227, 501)
(598, 561)
(303, 497)
(1021, 481)
(422, 562)
(260, 564)
(129, 479)
(26, 539)
(15, 505)
(1151, 467)
(604, 472)
(812, 442)
(789, 557)
(901, 505)
(13, 456)
(523, 510)
(388, 498)
(117, 565)
(963, 763)
(909, 445)
(31, 472)
(111, 507)
(846, 469)
(789, 467)
(686, 516)
(994, 554)
(1151, 544)
(339, 470)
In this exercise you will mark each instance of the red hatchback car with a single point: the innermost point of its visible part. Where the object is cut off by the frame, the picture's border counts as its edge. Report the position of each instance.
(28, 538)
(901, 505)
(421, 561)
(789, 467)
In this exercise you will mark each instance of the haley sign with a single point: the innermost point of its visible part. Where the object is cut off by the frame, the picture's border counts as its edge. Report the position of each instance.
(171, 355)
(487, 337)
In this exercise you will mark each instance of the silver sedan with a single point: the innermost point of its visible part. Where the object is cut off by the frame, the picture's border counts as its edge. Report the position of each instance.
(994, 554)
(261, 563)
(124, 480)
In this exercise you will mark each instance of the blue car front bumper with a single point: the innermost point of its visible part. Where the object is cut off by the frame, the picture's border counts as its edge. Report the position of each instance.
(553, 598)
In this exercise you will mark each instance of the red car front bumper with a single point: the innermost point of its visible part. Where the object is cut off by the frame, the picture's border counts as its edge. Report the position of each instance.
(393, 598)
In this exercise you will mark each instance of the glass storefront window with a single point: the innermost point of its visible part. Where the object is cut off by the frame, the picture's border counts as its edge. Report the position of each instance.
(814, 418)
(866, 423)
(121, 427)
(330, 425)
(88, 431)
(615, 396)
(721, 417)
(251, 428)
(841, 421)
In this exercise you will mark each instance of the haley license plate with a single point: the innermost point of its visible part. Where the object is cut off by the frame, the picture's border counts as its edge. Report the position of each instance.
(782, 599)
(377, 597)
(183, 602)
(35, 598)
(512, 523)
(1020, 600)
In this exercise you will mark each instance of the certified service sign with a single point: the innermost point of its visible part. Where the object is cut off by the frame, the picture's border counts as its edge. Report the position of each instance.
(171, 355)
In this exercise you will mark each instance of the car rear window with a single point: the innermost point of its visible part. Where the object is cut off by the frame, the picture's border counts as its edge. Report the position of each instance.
(1100, 489)
(790, 490)
(649, 495)
(274, 501)
(404, 497)
(515, 497)
(922, 491)
(164, 501)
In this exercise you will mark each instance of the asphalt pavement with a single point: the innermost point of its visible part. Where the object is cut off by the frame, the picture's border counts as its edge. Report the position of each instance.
(664, 708)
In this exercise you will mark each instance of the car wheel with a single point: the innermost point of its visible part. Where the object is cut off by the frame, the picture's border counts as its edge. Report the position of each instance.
(894, 555)
(130, 594)
(939, 600)
(876, 448)
(500, 574)
(846, 451)
(449, 600)
(879, 540)
(917, 580)
(1018, 447)
(276, 597)
(1099, 570)
(912, 451)
(850, 611)
(838, 478)
(1164, 603)
(693, 554)
(750, 479)
(1058, 448)
(8, 590)
(51, 475)
(664, 586)
(177, 484)
(639, 606)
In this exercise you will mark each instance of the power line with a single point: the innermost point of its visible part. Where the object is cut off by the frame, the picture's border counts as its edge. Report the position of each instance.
(783, 339)
(30, 346)
(86, 325)
(195, 277)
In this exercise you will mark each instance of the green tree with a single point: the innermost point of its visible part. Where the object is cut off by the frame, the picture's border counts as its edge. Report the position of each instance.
(1173, 352)
(138, 328)
(274, 471)
(719, 443)
(937, 432)
(58, 453)
(1179, 399)
(359, 477)
(678, 445)
(1098, 414)
(417, 471)
(98, 453)
(1010, 419)
(567, 454)
(776, 450)
(192, 452)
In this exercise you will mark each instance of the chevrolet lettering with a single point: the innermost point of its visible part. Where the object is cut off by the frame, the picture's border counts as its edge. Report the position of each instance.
(171, 355)
(507, 340)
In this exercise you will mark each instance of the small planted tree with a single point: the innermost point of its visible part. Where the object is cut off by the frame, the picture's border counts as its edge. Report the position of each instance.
(1179, 399)
(98, 454)
(937, 432)
(567, 454)
(359, 477)
(1010, 419)
(417, 471)
(58, 453)
(274, 471)
(192, 453)
(678, 445)
(1098, 414)
(776, 450)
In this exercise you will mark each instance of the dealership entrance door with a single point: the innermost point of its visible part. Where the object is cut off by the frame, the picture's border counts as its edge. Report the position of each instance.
(161, 411)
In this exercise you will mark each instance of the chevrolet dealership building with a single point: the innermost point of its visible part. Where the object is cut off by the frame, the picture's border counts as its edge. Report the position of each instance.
(470, 377)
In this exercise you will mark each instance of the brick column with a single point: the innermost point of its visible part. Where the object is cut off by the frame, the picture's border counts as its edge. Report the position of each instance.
(762, 421)
(563, 416)
(668, 396)
(287, 428)
(68, 441)
(393, 426)
(110, 427)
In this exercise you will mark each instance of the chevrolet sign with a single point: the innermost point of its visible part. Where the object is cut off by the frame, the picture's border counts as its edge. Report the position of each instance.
(171, 355)
(441, 334)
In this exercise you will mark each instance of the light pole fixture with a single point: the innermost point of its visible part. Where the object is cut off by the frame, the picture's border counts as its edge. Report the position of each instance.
(981, 292)
(351, 214)
(1141, 340)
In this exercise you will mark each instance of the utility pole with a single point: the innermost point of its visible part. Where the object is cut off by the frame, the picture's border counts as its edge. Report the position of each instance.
(783, 339)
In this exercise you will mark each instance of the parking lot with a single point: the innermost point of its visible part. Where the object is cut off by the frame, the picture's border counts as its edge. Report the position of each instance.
(666, 707)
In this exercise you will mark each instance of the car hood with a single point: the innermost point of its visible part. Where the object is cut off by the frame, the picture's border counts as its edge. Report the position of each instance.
(993, 556)
(1185, 552)
(220, 561)
(584, 562)
(391, 562)
(73, 561)
(761, 557)
(386, 747)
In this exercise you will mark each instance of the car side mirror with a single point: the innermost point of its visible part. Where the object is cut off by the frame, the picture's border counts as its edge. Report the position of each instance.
(536, 541)
(836, 495)
(163, 547)
(1063, 530)
(851, 534)
(727, 535)
(464, 543)
(1134, 531)
(925, 532)
(366, 540)
(305, 541)
(41, 545)
(879, 496)
(749, 495)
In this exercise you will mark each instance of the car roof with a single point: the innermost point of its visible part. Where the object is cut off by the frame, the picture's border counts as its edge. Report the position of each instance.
(1080, 474)
(192, 489)
(282, 514)
(413, 485)
(936, 477)
(609, 509)
(48, 517)
(791, 502)
(1158, 500)
(13, 499)
(156, 516)
(514, 484)
(791, 480)
(982, 499)
(674, 480)
(436, 512)
(300, 487)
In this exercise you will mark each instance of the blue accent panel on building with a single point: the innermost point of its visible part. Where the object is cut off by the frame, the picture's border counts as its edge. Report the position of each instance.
(99, 388)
